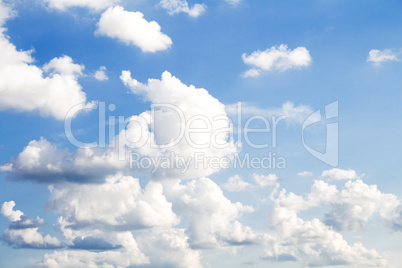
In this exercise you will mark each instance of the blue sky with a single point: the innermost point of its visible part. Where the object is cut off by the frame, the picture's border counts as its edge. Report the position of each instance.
(303, 56)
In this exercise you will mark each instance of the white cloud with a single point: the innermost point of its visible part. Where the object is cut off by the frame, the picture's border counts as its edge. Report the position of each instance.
(198, 109)
(23, 231)
(276, 59)
(128, 255)
(132, 29)
(30, 238)
(6, 12)
(41, 161)
(338, 174)
(305, 174)
(352, 206)
(378, 56)
(8, 211)
(100, 74)
(252, 73)
(357, 202)
(290, 112)
(25, 88)
(96, 5)
(63, 66)
(109, 212)
(265, 180)
(169, 248)
(121, 205)
(236, 184)
(211, 217)
(314, 243)
(176, 6)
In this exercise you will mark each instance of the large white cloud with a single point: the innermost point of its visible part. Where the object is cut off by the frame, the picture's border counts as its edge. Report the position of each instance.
(311, 242)
(169, 248)
(43, 162)
(121, 205)
(132, 29)
(24, 87)
(188, 122)
(102, 217)
(351, 206)
(23, 231)
(315, 242)
(276, 59)
(127, 256)
(96, 5)
(146, 137)
(212, 219)
(177, 6)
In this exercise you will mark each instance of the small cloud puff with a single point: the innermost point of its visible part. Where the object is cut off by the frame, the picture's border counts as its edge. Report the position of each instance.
(379, 56)
(100, 74)
(276, 59)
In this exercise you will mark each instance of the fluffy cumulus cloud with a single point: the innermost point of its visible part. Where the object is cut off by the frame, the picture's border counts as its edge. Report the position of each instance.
(351, 206)
(186, 122)
(379, 56)
(165, 139)
(169, 248)
(121, 205)
(41, 161)
(132, 29)
(315, 243)
(276, 59)
(51, 90)
(211, 218)
(127, 255)
(176, 6)
(96, 5)
(23, 231)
